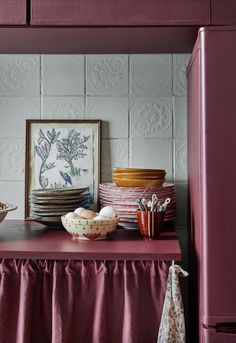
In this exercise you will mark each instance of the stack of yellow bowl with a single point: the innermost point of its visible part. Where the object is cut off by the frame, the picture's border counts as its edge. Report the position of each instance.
(136, 177)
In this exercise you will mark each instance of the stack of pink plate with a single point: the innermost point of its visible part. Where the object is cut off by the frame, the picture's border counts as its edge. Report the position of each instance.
(124, 200)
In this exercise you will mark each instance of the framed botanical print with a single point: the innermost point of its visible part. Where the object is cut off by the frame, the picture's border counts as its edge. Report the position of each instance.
(62, 153)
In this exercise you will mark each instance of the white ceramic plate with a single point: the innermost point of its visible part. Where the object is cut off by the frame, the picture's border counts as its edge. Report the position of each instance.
(58, 191)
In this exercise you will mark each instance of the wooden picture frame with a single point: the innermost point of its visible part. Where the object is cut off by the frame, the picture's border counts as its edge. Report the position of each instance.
(62, 153)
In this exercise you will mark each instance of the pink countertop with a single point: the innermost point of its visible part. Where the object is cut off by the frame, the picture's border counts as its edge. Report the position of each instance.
(30, 240)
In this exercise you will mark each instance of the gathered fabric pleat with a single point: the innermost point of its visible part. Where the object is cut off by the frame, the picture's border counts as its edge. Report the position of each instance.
(69, 301)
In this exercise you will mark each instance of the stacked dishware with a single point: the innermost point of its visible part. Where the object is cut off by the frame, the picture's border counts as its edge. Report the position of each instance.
(125, 200)
(136, 177)
(48, 205)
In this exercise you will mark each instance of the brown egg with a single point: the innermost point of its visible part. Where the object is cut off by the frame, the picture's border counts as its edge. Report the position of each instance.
(79, 217)
(88, 214)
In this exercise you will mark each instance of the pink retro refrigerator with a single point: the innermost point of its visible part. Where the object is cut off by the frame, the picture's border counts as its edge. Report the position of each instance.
(212, 181)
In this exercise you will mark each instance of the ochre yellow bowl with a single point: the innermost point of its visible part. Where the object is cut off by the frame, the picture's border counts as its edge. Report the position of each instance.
(135, 170)
(141, 175)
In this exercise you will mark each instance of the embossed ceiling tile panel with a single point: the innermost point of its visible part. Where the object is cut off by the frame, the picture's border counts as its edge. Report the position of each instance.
(151, 74)
(180, 117)
(181, 203)
(19, 75)
(63, 107)
(107, 75)
(151, 117)
(12, 159)
(13, 113)
(113, 111)
(180, 148)
(63, 74)
(180, 63)
(114, 154)
(152, 153)
(13, 193)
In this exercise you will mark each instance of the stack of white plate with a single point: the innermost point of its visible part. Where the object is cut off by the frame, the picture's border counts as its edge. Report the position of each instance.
(48, 205)
(124, 200)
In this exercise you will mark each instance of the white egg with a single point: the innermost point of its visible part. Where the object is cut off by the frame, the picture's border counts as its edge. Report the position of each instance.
(108, 211)
(100, 217)
(71, 215)
(79, 210)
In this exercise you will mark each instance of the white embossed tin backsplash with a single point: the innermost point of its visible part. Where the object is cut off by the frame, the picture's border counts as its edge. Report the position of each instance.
(141, 100)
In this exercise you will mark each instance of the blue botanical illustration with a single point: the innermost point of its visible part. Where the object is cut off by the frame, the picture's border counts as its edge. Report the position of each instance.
(43, 150)
(66, 178)
(58, 152)
(72, 148)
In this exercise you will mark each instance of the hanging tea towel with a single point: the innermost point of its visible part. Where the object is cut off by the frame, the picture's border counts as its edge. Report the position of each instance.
(172, 326)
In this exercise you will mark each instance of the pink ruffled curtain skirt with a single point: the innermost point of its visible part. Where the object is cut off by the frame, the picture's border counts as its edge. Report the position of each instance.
(44, 301)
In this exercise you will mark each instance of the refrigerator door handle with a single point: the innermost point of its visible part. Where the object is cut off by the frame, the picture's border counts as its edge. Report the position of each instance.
(229, 327)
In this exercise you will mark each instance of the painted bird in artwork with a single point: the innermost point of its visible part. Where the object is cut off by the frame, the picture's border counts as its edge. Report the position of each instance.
(66, 178)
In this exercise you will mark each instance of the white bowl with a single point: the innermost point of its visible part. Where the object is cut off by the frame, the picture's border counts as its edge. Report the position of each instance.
(4, 211)
(89, 229)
